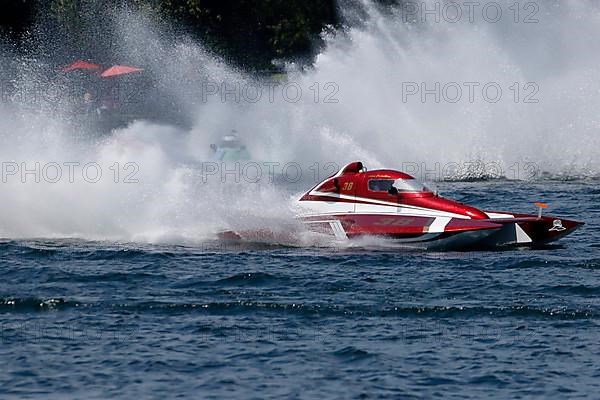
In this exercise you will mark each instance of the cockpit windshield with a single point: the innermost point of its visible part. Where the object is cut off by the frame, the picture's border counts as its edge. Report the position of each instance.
(401, 185)
(411, 185)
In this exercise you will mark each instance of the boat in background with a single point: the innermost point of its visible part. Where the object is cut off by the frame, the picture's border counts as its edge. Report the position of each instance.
(230, 149)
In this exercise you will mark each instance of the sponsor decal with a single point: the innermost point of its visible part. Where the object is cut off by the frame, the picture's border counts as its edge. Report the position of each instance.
(557, 226)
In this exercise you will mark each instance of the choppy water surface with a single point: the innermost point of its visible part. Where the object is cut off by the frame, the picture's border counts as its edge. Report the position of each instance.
(109, 320)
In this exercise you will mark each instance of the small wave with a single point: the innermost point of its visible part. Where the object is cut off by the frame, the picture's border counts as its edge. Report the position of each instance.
(33, 250)
(488, 380)
(242, 307)
(571, 176)
(250, 278)
(102, 277)
(542, 263)
(309, 309)
(79, 249)
(523, 264)
(577, 290)
(32, 304)
(591, 265)
(127, 254)
(351, 353)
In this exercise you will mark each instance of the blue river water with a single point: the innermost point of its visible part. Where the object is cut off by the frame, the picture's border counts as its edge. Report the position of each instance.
(82, 319)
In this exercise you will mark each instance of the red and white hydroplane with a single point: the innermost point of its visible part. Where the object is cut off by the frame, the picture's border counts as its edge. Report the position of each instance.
(391, 204)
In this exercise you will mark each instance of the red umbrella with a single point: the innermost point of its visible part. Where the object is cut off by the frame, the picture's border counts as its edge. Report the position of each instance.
(79, 64)
(119, 70)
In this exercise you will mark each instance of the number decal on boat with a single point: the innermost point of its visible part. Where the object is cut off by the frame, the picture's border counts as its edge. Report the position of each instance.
(347, 186)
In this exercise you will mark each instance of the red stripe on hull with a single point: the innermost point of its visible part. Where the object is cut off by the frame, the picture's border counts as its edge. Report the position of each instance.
(366, 224)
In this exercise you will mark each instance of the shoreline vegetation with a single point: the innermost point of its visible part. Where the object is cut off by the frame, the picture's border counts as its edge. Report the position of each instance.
(249, 33)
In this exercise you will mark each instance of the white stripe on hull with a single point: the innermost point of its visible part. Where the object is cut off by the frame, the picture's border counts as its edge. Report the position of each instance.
(439, 224)
(365, 205)
(316, 208)
(493, 215)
